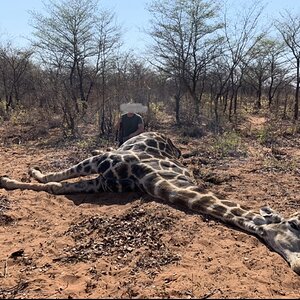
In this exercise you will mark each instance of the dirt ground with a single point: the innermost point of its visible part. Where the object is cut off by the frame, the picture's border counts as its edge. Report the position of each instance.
(132, 246)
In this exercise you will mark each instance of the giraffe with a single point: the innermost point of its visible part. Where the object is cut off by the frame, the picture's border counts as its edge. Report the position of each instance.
(150, 163)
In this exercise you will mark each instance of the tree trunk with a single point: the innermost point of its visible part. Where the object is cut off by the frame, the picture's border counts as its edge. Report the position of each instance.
(177, 108)
(296, 105)
(259, 92)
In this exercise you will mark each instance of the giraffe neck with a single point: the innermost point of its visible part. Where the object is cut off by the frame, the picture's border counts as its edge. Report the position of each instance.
(224, 210)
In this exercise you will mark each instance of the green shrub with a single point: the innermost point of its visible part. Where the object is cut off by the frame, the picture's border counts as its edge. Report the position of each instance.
(229, 144)
(266, 136)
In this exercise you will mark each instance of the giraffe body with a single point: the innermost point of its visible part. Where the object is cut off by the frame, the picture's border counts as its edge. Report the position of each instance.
(149, 163)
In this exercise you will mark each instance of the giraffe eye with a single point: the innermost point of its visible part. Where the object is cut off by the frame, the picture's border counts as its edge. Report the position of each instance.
(294, 225)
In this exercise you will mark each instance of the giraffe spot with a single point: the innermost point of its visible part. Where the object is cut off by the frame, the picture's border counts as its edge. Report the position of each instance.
(250, 215)
(168, 175)
(127, 185)
(103, 166)
(100, 159)
(122, 170)
(109, 174)
(154, 163)
(165, 164)
(154, 152)
(112, 185)
(139, 171)
(172, 149)
(164, 154)
(144, 155)
(178, 170)
(244, 207)
(152, 177)
(197, 189)
(219, 210)
(187, 194)
(161, 146)
(203, 203)
(230, 216)
(87, 169)
(161, 140)
(241, 221)
(127, 147)
(207, 200)
(181, 183)
(183, 178)
(139, 147)
(151, 143)
(180, 201)
(86, 162)
(237, 212)
(163, 190)
(79, 168)
(150, 184)
(96, 159)
(73, 170)
(115, 159)
(229, 203)
(186, 173)
(130, 158)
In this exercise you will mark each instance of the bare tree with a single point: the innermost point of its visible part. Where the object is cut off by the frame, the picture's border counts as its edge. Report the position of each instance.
(289, 28)
(241, 35)
(278, 68)
(259, 67)
(14, 64)
(108, 41)
(73, 40)
(184, 43)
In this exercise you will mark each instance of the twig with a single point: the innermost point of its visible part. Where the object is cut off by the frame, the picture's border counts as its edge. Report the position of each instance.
(60, 290)
(207, 295)
(5, 271)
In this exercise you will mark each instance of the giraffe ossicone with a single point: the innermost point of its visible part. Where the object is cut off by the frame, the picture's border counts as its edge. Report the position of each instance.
(149, 163)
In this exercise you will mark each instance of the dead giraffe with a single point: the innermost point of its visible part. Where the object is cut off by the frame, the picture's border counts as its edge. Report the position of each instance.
(149, 163)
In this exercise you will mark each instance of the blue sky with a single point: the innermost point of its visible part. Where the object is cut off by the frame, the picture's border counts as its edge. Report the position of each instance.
(15, 16)
(131, 14)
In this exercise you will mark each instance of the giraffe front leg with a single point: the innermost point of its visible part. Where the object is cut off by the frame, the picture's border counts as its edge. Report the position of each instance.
(11, 184)
(56, 188)
(96, 185)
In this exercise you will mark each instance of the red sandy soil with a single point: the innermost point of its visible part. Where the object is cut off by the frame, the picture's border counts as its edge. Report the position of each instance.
(132, 246)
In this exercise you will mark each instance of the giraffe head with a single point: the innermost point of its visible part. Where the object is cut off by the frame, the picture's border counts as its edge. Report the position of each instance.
(283, 235)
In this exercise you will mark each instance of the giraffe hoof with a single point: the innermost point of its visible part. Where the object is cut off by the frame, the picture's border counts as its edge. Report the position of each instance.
(3, 181)
(32, 170)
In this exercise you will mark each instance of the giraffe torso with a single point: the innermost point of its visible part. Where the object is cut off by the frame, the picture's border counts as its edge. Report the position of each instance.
(144, 160)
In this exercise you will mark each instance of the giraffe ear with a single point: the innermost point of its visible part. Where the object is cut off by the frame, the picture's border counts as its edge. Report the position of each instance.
(270, 215)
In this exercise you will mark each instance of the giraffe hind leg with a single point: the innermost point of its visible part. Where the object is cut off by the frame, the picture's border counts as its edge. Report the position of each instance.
(118, 185)
(84, 168)
(97, 185)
